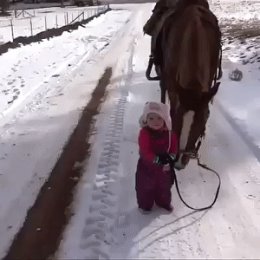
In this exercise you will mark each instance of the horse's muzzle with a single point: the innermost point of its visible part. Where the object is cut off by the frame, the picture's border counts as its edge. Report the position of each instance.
(184, 158)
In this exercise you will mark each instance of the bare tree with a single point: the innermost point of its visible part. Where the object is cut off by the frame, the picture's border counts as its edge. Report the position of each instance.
(4, 5)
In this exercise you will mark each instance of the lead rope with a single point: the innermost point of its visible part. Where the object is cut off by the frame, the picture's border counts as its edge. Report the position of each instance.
(178, 190)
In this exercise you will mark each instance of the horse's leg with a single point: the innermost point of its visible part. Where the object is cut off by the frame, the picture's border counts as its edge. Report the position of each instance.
(173, 102)
(172, 96)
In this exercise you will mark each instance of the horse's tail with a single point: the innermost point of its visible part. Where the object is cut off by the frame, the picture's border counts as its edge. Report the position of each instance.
(198, 58)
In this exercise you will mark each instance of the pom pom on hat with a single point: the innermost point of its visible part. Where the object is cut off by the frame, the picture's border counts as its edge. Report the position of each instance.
(163, 110)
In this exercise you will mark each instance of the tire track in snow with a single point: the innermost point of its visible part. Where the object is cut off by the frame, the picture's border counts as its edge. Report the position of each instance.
(97, 234)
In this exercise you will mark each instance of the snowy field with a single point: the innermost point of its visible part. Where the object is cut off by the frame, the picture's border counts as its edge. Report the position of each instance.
(43, 89)
(32, 21)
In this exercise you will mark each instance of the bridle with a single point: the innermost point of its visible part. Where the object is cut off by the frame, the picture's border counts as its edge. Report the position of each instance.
(193, 154)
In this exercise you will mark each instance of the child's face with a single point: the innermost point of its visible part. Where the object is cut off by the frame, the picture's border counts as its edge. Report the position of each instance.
(154, 121)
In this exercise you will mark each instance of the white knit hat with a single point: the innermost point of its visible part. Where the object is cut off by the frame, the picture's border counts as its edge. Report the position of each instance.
(163, 110)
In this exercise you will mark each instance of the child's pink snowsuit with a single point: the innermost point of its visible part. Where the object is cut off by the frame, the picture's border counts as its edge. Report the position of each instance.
(152, 183)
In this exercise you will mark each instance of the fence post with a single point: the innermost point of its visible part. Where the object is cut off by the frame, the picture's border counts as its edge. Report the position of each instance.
(12, 28)
(56, 21)
(67, 18)
(31, 26)
(45, 21)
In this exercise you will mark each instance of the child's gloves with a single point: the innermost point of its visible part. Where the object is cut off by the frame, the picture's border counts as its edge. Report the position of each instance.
(164, 158)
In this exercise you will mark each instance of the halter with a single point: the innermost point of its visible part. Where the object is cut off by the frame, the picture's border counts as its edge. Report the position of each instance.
(193, 154)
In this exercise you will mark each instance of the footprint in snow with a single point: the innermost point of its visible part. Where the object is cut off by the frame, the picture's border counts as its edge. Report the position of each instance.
(107, 214)
(95, 243)
(98, 196)
(11, 82)
(11, 101)
(249, 47)
(94, 219)
(6, 92)
(108, 202)
(87, 232)
(108, 192)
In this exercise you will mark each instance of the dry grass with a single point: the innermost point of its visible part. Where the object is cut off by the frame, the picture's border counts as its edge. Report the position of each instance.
(242, 30)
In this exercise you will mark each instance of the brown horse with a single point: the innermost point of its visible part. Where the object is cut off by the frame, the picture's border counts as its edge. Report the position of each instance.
(190, 43)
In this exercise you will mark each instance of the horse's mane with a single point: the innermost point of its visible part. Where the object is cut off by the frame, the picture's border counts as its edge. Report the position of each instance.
(184, 3)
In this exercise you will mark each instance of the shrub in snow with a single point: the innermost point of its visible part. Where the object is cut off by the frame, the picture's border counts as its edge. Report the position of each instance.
(236, 75)
(4, 5)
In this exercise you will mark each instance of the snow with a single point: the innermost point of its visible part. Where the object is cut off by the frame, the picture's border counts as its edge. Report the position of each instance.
(44, 87)
(32, 21)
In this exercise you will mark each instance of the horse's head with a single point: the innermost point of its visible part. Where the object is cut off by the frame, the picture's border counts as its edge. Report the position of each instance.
(190, 116)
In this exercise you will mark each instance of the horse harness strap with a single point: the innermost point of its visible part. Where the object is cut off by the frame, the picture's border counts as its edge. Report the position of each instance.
(218, 73)
(149, 69)
(155, 35)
